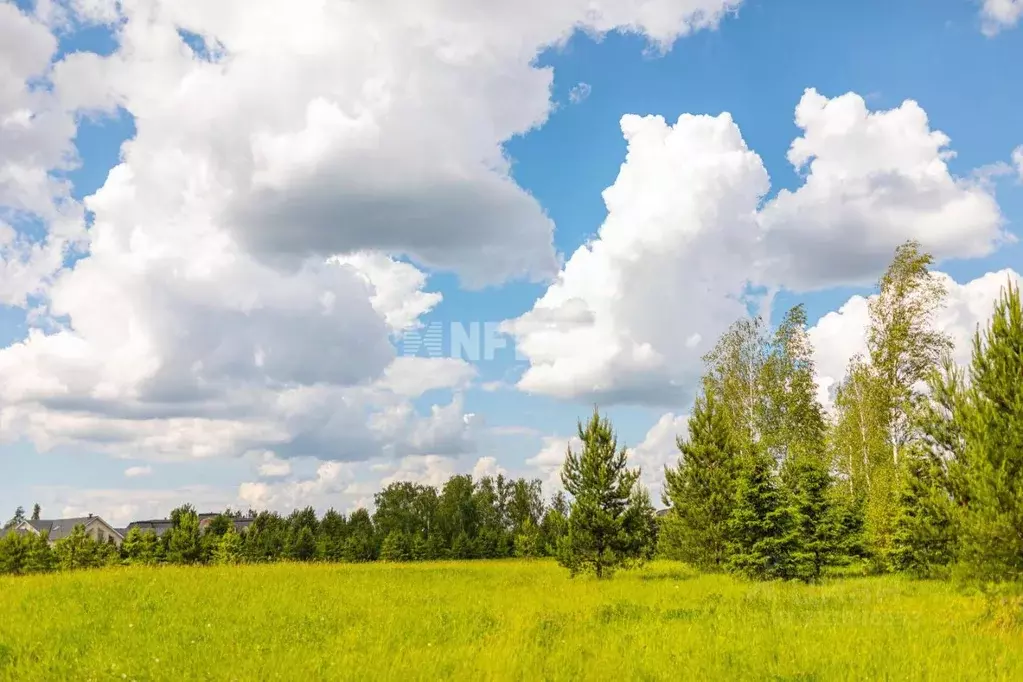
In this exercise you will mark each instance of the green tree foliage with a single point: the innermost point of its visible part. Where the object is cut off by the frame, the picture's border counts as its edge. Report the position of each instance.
(229, 548)
(13, 554)
(333, 533)
(141, 548)
(36, 511)
(794, 426)
(183, 540)
(22, 553)
(40, 558)
(78, 550)
(763, 534)
(991, 419)
(904, 350)
(735, 374)
(303, 546)
(554, 526)
(608, 525)
(458, 515)
(360, 544)
(859, 441)
(397, 546)
(19, 516)
(924, 538)
(529, 541)
(701, 489)
(266, 538)
(818, 523)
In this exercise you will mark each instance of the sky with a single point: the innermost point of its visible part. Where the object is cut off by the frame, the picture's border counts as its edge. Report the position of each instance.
(268, 254)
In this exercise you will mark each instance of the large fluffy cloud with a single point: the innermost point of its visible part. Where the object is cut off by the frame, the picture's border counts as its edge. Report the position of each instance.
(340, 127)
(633, 311)
(36, 133)
(686, 239)
(212, 314)
(873, 180)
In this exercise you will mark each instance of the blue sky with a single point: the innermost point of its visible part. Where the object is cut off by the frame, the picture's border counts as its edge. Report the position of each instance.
(755, 64)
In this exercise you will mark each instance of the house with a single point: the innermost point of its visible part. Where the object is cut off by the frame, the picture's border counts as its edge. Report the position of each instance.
(161, 526)
(95, 527)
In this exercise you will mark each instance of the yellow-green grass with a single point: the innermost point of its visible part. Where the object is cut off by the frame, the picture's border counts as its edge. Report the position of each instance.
(513, 620)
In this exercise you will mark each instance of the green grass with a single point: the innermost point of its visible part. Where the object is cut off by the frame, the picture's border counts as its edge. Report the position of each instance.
(489, 621)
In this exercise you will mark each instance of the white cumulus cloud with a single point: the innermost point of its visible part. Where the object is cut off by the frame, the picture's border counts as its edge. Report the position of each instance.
(998, 15)
(263, 238)
(687, 246)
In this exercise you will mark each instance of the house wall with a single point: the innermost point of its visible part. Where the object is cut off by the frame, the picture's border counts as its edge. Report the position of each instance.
(98, 530)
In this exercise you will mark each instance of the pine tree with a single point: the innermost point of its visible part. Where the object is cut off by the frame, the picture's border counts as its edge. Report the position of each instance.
(991, 418)
(763, 534)
(701, 489)
(924, 537)
(607, 526)
(36, 511)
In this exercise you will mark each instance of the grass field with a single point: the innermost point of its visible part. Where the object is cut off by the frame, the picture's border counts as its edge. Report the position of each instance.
(489, 621)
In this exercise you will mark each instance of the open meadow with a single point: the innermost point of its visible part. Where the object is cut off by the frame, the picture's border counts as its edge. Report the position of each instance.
(501, 620)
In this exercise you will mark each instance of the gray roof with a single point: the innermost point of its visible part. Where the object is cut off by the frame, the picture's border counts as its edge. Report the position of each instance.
(161, 526)
(158, 526)
(60, 528)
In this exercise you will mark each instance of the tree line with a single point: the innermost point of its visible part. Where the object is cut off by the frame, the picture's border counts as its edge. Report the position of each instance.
(488, 518)
(917, 468)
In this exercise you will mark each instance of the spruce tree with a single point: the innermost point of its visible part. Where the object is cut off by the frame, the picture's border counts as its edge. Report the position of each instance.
(608, 525)
(815, 518)
(701, 489)
(763, 533)
(924, 536)
(991, 417)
